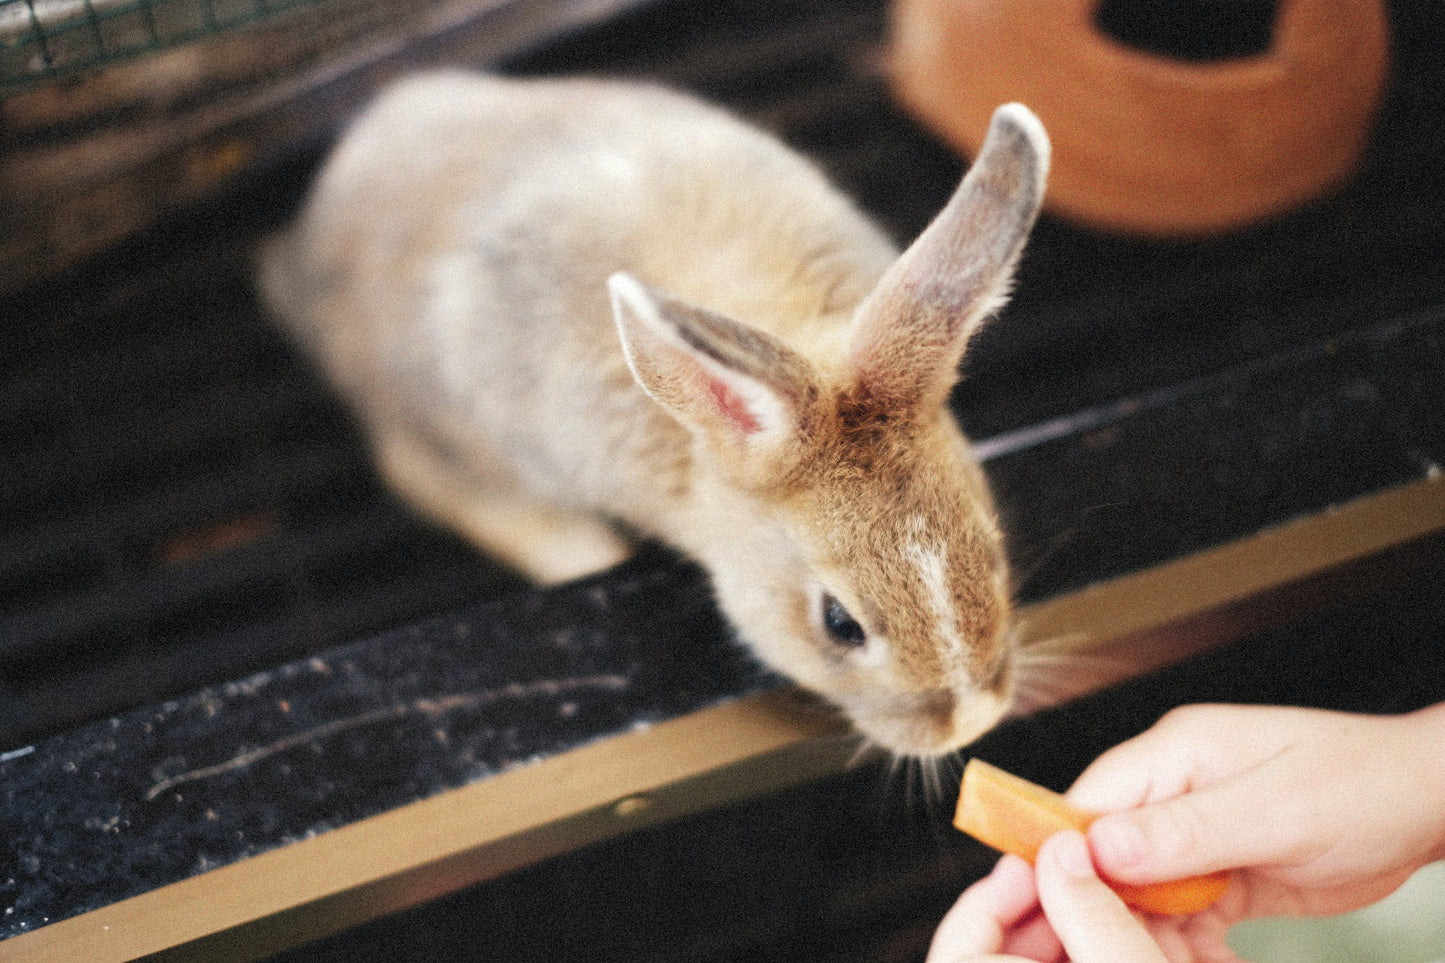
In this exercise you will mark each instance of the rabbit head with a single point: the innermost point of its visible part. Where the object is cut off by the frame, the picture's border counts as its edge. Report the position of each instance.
(850, 534)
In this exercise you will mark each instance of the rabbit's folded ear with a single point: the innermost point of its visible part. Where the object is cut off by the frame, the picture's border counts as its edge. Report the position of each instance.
(743, 390)
(909, 336)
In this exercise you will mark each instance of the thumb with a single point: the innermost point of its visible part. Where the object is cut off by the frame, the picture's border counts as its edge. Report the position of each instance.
(1090, 921)
(1189, 835)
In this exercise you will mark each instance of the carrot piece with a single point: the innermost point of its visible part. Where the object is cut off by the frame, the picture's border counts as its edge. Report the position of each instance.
(1014, 815)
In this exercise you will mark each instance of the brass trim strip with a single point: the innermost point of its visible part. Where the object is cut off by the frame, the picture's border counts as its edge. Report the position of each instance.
(1151, 618)
(401, 858)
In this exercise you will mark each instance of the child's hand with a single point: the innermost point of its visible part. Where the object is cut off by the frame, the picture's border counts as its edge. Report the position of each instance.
(1317, 812)
(1314, 812)
(998, 919)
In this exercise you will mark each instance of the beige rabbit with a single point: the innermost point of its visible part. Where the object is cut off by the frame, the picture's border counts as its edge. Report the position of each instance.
(528, 290)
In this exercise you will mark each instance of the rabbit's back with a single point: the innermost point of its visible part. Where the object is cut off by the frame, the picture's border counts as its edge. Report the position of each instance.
(450, 268)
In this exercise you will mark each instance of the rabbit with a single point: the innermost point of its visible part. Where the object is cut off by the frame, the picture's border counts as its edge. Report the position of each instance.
(573, 312)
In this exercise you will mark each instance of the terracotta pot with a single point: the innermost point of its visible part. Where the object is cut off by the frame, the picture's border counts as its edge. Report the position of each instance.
(1143, 143)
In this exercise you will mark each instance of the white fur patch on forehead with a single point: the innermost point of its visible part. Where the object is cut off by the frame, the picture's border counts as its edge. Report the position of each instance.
(931, 563)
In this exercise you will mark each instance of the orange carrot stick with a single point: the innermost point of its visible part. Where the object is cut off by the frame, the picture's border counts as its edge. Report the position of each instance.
(1016, 816)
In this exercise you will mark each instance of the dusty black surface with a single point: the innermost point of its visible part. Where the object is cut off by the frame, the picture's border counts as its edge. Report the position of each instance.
(144, 799)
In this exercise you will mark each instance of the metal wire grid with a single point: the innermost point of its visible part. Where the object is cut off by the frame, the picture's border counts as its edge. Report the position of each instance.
(44, 39)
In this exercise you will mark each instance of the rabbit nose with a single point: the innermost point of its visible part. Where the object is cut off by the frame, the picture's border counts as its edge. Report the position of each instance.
(976, 713)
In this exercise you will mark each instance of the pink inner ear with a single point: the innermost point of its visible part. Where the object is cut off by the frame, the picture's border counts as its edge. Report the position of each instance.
(733, 408)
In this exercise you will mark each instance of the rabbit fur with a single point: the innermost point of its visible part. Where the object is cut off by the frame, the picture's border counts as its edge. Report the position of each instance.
(571, 312)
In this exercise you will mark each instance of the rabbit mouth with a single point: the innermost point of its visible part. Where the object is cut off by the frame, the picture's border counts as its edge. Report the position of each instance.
(930, 724)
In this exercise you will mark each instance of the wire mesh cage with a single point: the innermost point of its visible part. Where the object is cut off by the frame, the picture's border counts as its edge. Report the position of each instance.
(45, 39)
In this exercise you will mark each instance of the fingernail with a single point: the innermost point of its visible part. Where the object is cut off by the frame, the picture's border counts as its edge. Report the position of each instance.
(1117, 841)
(1071, 853)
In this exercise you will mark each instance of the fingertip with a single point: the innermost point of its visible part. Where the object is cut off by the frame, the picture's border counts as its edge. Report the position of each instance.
(1116, 843)
(1068, 883)
(1090, 919)
(985, 912)
(1069, 851)
(1011, 867)
(1011, 889)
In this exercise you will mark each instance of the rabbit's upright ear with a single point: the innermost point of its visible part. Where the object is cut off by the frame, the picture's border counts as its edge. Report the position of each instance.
(910, 335)
(743, 390)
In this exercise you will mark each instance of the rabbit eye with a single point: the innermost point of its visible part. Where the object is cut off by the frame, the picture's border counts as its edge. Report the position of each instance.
(843, 628)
